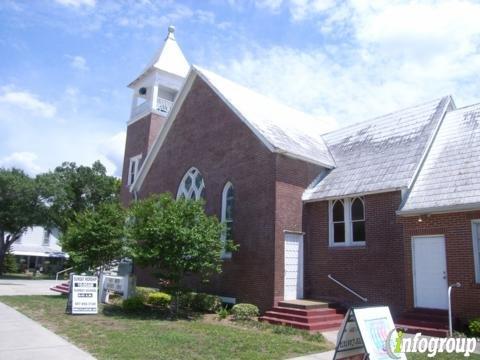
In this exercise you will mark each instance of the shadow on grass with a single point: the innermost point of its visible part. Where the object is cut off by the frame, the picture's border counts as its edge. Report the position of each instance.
(148, 313)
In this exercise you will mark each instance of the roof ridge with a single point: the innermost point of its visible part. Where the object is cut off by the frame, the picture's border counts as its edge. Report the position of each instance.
(465, 107)
(371, 120)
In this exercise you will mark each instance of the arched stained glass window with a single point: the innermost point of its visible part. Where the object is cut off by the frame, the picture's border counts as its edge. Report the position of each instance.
(228, 200)
(192, 185)
(338, 215)
(358, 220)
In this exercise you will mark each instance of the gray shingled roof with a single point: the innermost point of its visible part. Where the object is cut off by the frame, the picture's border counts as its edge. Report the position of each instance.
(381, 154)
(450, 176)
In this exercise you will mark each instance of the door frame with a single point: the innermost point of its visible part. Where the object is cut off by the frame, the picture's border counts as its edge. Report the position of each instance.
(301, 263)
(413, 261)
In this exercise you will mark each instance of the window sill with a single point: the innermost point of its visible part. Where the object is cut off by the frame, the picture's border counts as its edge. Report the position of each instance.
(348, 246)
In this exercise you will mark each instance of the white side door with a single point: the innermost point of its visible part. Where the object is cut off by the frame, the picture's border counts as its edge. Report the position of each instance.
(293, 280)
(430, 272)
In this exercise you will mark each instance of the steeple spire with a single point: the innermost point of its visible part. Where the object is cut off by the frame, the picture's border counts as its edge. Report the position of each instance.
(169, 58)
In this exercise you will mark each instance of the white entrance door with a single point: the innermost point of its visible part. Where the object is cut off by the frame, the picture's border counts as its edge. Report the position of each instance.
(293, 281)
(430, 272)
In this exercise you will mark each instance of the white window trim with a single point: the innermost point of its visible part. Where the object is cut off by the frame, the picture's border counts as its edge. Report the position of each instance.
(476, 249)
(347, 218)
(136, 160)
(228, 185)
(193, 189)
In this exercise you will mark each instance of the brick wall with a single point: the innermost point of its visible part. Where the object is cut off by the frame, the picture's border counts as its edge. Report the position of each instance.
(457, 230)
(140, 137)
(209, 136)
(292, 176)
(375, 271)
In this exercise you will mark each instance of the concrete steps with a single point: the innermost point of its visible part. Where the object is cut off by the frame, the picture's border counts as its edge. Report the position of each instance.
(306, 315)
(63, 288)
(430, 322)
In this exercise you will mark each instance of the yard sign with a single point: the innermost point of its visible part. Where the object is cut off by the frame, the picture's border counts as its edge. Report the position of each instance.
(364, 333)
(83, 297)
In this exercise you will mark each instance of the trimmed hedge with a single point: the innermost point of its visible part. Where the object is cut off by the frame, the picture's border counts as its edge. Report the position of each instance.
(244, 311)
(200, 302)
(133, 304)
(143, 292)
(160, 299)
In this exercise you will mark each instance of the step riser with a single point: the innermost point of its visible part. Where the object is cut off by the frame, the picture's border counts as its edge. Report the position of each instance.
(304, 319)
(310, 327)
(300, 312)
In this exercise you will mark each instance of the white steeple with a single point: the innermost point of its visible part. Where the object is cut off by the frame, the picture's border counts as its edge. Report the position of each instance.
(157, 86)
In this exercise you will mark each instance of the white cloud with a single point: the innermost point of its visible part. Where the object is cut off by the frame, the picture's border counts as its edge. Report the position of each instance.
(77, 3)
(78, 62)
(113, 149)
(378, 57)
(25, 161)
(26, 101)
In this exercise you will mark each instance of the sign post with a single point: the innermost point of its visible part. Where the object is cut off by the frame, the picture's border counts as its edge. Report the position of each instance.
(83, 296)
(367, 333)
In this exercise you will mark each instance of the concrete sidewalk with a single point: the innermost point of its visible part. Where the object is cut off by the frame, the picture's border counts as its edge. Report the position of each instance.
(22, 338)
(27, 287)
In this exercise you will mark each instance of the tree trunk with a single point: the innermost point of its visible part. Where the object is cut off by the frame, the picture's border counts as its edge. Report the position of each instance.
(5, 244)
(3, 252)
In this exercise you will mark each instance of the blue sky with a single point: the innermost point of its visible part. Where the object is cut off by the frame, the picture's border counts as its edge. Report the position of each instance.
(65, 64)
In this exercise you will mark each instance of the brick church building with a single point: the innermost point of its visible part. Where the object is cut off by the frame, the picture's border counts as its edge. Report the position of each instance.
(385, 211)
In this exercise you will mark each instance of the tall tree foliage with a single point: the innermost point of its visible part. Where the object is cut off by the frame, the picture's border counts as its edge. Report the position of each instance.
(20, 208)
(96, 236)
(176, 237)
(72, 189)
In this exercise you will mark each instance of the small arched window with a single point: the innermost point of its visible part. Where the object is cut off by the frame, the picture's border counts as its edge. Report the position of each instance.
(338, 216)
(192, 185)
(358, 220)
(228, 200)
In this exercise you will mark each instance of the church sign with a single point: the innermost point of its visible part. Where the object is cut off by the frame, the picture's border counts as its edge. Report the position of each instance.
(83, 297)
(367, 333)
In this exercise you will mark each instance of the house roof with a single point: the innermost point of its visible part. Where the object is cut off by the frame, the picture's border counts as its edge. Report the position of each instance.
(285, 129)
(169, 58)
(281, 128)
(450, 176)
(378, 155)
(37, 250)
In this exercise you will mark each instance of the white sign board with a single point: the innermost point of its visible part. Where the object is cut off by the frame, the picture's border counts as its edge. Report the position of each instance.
(84, 293)
(367, 333)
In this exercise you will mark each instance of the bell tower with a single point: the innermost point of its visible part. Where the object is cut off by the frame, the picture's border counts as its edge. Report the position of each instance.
(154, 93)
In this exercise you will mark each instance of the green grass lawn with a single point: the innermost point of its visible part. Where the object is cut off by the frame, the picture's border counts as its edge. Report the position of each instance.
(114, 335)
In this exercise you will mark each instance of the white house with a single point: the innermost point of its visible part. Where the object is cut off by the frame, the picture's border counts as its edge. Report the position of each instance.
(39, 248)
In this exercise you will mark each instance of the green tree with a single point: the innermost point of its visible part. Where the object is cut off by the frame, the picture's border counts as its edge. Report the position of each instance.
(72, 189)
(96, 236)
(176, 238)
(20, 208)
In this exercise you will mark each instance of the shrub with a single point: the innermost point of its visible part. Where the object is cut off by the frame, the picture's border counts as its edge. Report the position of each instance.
(222, 313)
(206, 303)
(133, 304)
(160, 299)
(474, 327)
(186, 300)
(245, 311)
(143, 292)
